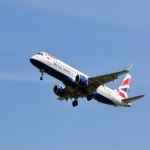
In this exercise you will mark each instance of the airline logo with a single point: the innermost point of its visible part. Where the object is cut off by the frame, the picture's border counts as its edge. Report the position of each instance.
(124, 87)
(48, 55)
(126, 82)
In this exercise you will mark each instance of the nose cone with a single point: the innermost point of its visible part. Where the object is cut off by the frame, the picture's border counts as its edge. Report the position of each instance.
(33, 60)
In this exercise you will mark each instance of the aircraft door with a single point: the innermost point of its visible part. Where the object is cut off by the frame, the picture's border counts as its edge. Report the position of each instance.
(50, 62)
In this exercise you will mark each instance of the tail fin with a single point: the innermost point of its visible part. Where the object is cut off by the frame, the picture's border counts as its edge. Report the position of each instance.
(124, 87)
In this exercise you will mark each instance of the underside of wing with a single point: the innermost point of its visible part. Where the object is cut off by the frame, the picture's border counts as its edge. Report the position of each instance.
(129, 100)
(95, 82)
(69, 94)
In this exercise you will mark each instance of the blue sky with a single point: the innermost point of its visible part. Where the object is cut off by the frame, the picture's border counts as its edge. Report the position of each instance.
(95, 37)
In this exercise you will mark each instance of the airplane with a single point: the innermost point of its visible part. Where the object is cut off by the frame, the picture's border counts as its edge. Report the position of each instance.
(79, 85)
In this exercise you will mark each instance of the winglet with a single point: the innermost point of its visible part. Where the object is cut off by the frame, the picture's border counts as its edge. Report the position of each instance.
(128, 69)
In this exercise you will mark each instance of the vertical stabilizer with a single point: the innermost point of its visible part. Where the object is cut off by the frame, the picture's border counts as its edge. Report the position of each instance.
(124, 87)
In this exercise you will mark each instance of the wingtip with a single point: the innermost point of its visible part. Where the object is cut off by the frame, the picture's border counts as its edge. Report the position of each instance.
(142, 96)
(130, 67)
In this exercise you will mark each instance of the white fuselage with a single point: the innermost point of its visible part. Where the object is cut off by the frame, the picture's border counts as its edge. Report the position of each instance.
(70, 72)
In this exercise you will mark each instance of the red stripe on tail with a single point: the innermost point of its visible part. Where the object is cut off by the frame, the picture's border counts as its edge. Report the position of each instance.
(120, 93)
(127, 81)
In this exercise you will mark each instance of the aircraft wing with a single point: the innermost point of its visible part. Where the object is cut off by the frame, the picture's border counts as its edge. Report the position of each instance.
(128, 100)
(69, 94)
(96, 81)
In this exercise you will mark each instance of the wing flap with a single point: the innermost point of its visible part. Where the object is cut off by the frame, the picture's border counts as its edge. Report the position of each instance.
(60, 98)
(128, 100)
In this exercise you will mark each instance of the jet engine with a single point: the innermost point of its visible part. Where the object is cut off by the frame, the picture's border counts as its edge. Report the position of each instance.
(59, 90)
(81, 81)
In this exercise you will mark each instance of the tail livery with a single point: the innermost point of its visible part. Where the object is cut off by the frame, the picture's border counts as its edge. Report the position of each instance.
(124, 87)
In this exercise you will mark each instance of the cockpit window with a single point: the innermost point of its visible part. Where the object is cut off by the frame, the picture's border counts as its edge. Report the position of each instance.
(40, 53)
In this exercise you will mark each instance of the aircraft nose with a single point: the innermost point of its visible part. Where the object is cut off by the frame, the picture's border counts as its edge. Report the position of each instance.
(32, 60)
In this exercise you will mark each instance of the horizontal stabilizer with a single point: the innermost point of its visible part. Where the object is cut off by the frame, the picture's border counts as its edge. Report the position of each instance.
(128, 100)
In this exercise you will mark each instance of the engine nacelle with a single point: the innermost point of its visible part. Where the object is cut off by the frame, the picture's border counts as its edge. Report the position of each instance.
(59, 90)
(81, 81)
